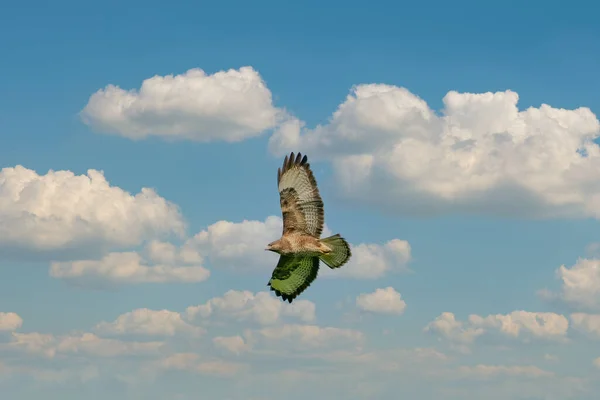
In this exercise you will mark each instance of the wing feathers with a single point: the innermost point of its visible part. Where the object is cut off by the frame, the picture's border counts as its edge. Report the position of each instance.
(301, 203)
(293, 275)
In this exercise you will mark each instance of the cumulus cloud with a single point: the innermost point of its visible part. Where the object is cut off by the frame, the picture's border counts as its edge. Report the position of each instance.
(193, 363)
(306, 337)
(262, 308)
(373, 261)
(580, 284)
(63, 211)
(227, 106)
(144, 321)
(537, 324)
(448, 326)
(489, 371)
(48, 345)
(383, 301)
(389, 360)
(517, 324)
(161, 262)
(480, 155)
(10, 321)
(232, 344)
(589, 323)
(241, 246)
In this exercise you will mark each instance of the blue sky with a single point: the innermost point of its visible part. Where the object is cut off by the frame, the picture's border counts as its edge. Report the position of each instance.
(408, 114)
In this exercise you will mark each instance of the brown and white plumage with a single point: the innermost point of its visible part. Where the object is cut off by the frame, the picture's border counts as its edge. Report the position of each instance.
(300, 246)
(301, 203)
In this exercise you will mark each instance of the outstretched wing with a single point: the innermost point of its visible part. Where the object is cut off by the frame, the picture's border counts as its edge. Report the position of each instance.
(301, 204)
(293, 275)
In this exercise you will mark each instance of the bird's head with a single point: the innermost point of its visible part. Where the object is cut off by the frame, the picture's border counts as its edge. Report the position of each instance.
(274, 246)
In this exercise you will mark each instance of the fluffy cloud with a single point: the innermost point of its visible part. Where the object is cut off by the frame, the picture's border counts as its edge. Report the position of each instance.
(537, 324)
(149, 322)
(230, 244)
(589, 323)
(447, 326)
(233, 344)
(161, 262)
(488, 371)
(10, 321)
(241, 245)
(306, 337)
(522, 324)
(228, 105)
(373, 261)
(384, 301)
(262, 308)
(580, 284)
(48, 345)
(480, 155)
(63, 211)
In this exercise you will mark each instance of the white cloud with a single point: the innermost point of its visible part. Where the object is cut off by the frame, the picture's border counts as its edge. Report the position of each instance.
(10, 321)
(220, 368)
(162, 262)
(233, 344)
(93, 345)
(589, 323)
(447, 326)
(306, 337)
(193, 363)
(48, 345)
(144, 321)
(63, 211)
(180, 361)
(228, 105)
(384, 301)
(241, 246)
(537, 324)
(522, 324)
(261, 307)
(480, 155)
(353, 359)
(580, 284)
(373, 261)
(488, 371)
(34, 343)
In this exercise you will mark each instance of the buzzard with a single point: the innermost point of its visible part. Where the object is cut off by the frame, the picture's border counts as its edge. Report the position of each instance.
(300, 247)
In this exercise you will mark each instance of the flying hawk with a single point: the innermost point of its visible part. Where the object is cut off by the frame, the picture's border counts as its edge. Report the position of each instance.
(300, 247)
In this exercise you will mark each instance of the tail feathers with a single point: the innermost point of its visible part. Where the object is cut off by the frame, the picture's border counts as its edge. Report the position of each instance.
(340, 251)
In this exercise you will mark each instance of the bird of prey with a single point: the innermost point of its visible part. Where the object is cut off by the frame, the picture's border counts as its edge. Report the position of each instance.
(300, 247)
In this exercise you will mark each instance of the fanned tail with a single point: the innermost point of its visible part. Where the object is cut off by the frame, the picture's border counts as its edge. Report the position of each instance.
(340, 253)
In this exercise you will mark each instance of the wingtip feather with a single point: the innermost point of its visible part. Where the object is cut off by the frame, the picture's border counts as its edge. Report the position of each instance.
(293, 159)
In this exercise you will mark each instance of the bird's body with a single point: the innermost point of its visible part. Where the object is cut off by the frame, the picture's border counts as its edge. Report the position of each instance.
(300, 246)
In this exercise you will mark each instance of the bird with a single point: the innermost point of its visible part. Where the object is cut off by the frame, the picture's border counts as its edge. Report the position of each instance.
(300, 247)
